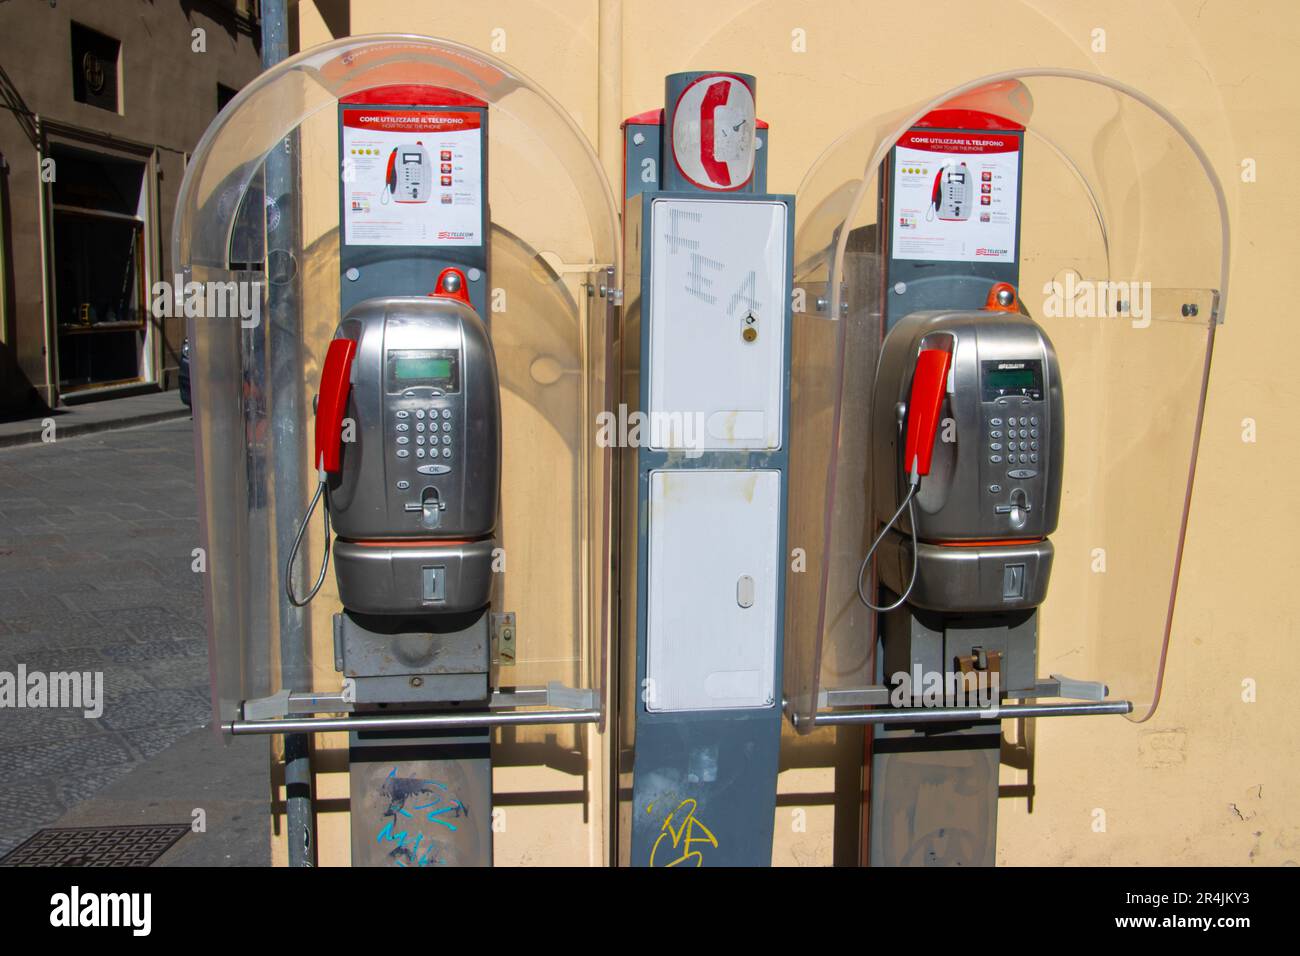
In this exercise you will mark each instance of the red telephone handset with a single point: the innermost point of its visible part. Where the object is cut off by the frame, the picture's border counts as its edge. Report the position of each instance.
(335, 384)
(390, 174)
(929, 382)
(716, 95)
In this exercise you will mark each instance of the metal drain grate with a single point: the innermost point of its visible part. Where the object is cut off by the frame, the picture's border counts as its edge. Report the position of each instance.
(96, 846)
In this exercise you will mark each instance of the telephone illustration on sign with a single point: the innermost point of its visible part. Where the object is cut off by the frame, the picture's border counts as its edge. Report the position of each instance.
(408, 177)
(953, 193)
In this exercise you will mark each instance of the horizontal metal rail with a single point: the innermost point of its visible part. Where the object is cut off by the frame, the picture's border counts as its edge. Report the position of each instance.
(948, 715)
(443, 721)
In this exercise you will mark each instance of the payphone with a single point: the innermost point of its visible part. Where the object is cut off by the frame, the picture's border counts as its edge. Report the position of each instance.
(932, 439)
(413, 496)
(421, 341)
(978, 469)
(966, 452)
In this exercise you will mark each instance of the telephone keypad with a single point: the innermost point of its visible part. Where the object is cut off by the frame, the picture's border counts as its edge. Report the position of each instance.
(433, 430)
(1020, 461)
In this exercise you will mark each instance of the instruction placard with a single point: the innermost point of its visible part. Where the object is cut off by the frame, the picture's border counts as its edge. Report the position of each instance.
(955, 196)
(412, 177)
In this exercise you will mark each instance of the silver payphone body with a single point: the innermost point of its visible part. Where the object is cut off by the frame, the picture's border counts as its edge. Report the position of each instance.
(415, 502)
(984, 512)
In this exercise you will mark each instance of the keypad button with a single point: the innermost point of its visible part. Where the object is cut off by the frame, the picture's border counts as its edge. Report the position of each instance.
(1033, 419)
(403, 440)
(446, 439)
(403, 427)
(1011, 446)
(403, 453)
(403, 414)
(419, 439)
(419, 453)
(419, 413)
(995, 422)
(419, 426)
(997, 446)
(1033, 433)
(995, 489)
(995, 459)
(995, 434)
(1033, 445)
(1024, 433)
(1023, 459)
(446, 453)
(403, 485)
(446, 413)
(1033, 458)
(446, 426)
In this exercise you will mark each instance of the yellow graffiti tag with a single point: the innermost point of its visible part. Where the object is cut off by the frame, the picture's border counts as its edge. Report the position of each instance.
(683, 836)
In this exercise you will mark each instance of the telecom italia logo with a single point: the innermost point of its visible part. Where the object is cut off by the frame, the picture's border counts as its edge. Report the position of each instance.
(76, 909)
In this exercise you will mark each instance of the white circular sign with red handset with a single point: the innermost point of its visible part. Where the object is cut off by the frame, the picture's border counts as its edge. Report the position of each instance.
(713, 132)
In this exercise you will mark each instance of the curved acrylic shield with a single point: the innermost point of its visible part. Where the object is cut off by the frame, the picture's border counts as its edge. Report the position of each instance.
(1123, 257)
(553, 255)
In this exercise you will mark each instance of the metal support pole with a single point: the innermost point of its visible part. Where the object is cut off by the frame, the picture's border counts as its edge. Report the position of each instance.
(283, 388)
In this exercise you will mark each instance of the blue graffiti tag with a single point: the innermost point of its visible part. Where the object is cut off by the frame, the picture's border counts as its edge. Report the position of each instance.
(398, 790)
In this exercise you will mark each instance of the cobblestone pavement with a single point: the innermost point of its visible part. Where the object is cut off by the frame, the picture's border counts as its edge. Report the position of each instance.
(95, 541)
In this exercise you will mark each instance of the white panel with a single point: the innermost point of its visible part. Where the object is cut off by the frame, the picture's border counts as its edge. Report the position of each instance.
(714, 547)
(718, 267)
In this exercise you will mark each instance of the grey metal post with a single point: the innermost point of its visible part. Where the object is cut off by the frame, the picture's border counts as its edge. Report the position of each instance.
(283, 343)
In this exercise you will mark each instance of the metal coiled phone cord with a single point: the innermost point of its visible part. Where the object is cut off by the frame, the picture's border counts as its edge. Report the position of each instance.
(297, 542)
(911, 518)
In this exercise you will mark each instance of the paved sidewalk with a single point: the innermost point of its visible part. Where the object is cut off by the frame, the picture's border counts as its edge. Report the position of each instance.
(227, 779)
(91, 417)
(95, 541)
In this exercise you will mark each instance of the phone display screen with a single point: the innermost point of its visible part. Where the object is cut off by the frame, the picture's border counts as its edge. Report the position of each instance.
(1023, 378)
(409, 368)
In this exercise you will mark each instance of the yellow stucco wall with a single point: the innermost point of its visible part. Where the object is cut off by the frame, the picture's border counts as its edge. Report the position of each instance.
(1210, 779)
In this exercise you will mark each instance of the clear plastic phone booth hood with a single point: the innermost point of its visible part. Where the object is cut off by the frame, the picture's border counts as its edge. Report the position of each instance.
(433, 251)
(924, 240)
